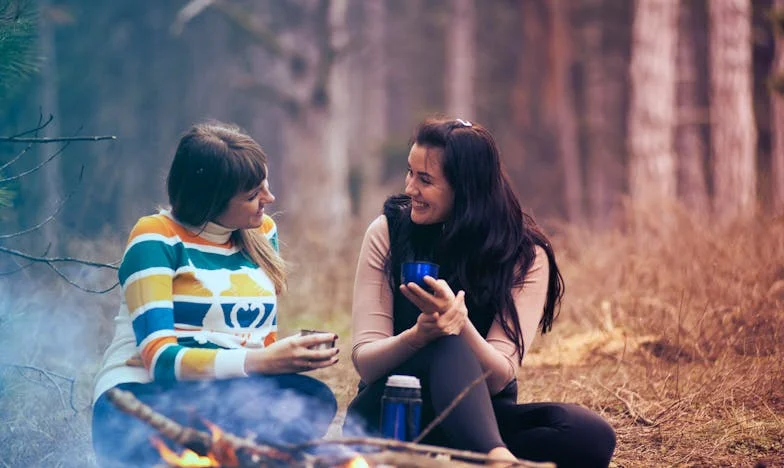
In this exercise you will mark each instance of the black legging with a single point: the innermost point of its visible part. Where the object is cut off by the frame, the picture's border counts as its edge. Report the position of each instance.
(566, 434)
(286, 408)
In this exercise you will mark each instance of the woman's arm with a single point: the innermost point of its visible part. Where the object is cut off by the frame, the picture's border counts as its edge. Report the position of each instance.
(375, 350)
(498, 353)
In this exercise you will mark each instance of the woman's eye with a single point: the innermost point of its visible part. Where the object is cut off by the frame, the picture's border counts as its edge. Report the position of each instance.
(253, 197)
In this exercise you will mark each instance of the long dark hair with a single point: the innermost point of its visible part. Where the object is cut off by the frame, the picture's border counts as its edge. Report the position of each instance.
(487, 245)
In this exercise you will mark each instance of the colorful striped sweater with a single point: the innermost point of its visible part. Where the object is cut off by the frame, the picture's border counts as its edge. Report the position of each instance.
(192, 305)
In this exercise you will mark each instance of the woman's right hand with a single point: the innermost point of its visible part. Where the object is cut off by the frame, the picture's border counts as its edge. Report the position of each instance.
(434, 325)
(292, 355)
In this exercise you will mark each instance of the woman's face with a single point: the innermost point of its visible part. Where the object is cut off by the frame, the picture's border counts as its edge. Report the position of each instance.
(431, 195)
(246, 209)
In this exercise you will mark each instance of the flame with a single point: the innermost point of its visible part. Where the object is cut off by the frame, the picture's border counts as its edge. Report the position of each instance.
(357, 462)
(221, 455)
(188, 458)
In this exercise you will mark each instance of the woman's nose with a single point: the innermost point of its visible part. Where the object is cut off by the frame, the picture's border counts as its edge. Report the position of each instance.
(410, 189)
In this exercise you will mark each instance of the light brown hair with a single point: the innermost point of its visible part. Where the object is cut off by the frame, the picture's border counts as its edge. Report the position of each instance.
(214, 162)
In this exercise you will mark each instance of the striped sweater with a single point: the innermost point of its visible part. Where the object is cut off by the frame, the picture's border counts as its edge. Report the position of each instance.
(192, 304)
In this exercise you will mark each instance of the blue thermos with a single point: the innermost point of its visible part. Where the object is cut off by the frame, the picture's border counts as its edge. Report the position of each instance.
(401, 408)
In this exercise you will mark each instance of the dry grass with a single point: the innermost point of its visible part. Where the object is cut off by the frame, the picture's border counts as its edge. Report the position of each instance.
(674, 335)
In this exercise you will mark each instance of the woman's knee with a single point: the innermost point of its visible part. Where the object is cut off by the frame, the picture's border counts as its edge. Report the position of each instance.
(596, 435)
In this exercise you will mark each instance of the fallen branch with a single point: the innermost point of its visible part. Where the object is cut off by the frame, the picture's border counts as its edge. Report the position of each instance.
(636, 417)
(422, 449)
(294, 455)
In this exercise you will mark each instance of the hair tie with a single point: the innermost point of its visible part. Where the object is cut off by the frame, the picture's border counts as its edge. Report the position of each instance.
(465, 123)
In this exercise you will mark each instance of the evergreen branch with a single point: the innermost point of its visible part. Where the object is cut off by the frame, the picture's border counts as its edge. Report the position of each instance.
(57, 139)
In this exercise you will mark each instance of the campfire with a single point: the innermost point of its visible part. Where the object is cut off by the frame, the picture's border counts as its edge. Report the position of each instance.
(223, 449)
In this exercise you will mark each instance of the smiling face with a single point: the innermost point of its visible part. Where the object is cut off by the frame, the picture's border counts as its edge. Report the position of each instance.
(246, 209)
(431, 195)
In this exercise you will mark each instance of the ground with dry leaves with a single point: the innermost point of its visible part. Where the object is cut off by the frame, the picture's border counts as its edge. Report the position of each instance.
(674, 335)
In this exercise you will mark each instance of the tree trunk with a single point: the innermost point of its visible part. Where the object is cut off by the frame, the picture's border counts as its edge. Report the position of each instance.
(461, 59)
(562, 58)
(604, 81)
(652, 109)
(777, 111)
(690, 141)
(374, 118)
(733, 131)
(52, 184)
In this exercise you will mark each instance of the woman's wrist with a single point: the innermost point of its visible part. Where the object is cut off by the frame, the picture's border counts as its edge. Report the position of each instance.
(412, 337)
(256, 362)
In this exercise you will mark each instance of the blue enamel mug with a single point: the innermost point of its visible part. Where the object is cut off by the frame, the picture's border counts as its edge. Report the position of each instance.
(415, 272)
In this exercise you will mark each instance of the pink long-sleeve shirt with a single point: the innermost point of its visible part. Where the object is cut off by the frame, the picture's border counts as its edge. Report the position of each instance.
(376, 350)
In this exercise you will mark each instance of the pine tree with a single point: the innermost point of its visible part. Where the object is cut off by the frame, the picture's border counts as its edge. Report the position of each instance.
(18, 49)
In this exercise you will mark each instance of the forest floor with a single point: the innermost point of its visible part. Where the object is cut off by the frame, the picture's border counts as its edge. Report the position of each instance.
(675, 336)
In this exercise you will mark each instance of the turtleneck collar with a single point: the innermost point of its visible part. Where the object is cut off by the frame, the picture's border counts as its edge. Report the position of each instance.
(212, 232)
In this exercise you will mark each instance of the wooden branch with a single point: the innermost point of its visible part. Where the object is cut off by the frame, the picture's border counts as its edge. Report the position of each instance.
(246, 21)
(452, 405)
(420, 448)
(41, 125)
(42, 223)
(198, 441)
(187, 13)
(50, 377)
(36, 168)
(636, 417)
(44, 140)
(51, 260)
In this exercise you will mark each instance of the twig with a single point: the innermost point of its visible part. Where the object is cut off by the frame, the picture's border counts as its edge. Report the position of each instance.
(452, 406)
(44, 140)
(49, 376)
(187, 13)
(634, 414)
(16, 158)
(42, 223)
(40, 126)
(17, 269)
(39, 166)
(78, 286)
(418, 448)
(49, 260)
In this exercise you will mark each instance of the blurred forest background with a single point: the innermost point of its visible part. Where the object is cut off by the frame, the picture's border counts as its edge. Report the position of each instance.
(647, 136)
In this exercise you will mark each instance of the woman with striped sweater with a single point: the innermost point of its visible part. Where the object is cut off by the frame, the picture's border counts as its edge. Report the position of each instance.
(196, 334)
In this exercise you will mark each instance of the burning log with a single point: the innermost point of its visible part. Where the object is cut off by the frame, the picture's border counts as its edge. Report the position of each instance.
(230, 450)
(225, 447)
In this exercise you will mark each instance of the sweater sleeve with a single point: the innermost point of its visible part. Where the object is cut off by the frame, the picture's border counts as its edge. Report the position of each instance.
(375, 350)
(146, 276)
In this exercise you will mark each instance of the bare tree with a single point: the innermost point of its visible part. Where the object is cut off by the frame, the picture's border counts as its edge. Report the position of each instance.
(652, 109)
(777, 110)
(733, 130)
(304, 41)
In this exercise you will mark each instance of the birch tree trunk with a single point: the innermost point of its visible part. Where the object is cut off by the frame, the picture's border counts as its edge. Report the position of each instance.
(461, 60)
(690, 143)
(733, 131)
(652, 109)
(777, 113)
(562, 58)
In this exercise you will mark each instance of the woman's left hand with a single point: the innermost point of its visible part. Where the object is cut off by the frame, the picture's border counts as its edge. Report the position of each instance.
(446, 312)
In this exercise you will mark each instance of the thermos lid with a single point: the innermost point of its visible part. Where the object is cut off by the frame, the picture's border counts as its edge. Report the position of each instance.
(403, 381)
